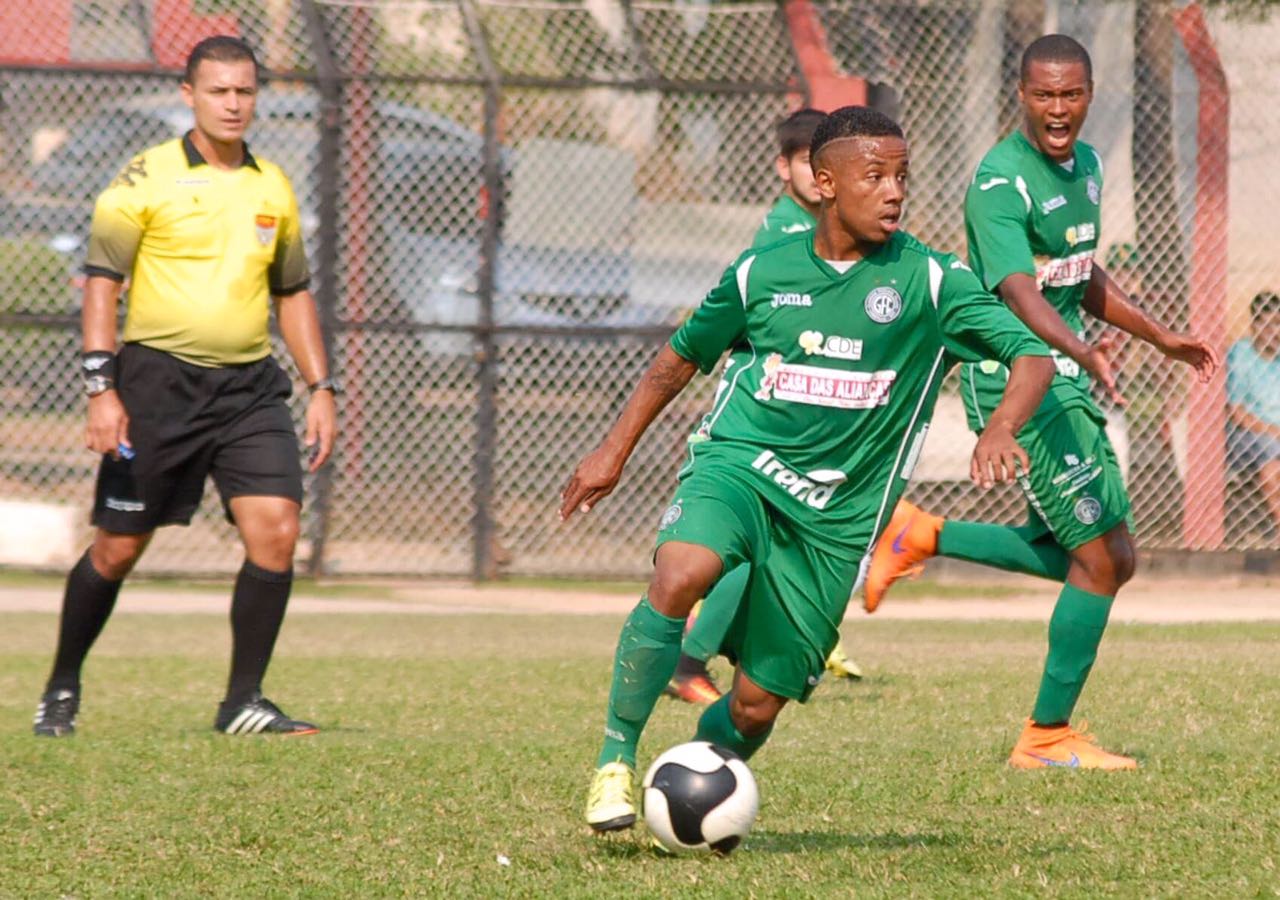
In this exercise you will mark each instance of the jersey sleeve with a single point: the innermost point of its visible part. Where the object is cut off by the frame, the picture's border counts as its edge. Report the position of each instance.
(289, 272)
(719, 322)
(119, 218)
(975, 325)
(995, 218)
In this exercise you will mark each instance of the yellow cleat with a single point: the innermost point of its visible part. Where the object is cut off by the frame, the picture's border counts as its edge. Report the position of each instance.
(611, 802)
(841, 666)
(1064, 747)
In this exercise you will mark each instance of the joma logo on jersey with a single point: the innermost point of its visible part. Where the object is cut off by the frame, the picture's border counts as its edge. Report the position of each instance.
(1074, 269)
(1053, 203)
(791, 300)
(1078, 234)
(834, 346)
(814, 489)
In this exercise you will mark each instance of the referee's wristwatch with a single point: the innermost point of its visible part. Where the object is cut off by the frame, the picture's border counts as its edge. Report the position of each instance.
(98, 371)
(97, 384)
(325, 384)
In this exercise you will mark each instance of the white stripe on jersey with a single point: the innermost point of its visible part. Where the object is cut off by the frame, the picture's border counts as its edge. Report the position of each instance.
(935, 280)
(743, 271)
(1021, 185)
(897, 465)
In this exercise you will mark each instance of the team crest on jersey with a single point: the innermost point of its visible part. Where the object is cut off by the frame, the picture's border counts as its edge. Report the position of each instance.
(265, 226)
(1094, 191)
(671, 516)
(883, 305)
(1088, 510)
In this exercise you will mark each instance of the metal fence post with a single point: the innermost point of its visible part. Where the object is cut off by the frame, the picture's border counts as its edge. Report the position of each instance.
(484, 531)
(328, 183)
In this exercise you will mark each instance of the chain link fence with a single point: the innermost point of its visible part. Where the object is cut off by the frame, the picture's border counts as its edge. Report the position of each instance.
(509, 205)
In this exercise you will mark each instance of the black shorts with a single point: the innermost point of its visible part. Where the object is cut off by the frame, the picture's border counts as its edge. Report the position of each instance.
(187, 422)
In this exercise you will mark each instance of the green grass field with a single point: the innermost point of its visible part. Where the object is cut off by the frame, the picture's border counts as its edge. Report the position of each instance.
(454, 742)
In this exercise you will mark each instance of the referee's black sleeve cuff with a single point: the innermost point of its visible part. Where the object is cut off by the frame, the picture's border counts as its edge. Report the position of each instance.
(100, 272)
(291, 289)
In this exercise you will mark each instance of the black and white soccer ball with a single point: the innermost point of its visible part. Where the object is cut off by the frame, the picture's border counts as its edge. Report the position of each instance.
(698, 796)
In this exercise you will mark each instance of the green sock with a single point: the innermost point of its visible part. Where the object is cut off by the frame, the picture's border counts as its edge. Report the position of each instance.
(1015, 549)
(716, 726)
(648, 648)
(706, 638)
(1075, 630)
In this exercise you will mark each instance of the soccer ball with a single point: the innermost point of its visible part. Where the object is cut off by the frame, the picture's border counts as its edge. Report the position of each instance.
(698, 796)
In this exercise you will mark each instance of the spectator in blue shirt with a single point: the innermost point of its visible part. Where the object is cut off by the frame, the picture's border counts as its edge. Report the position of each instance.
(1253, 399)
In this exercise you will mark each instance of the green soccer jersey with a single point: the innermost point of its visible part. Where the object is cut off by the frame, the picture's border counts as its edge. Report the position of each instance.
(785, 218)
(832, 376)
(1025, 213)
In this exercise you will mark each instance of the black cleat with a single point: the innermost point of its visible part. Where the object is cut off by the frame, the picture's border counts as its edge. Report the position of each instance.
(56, 714)
(258, 716)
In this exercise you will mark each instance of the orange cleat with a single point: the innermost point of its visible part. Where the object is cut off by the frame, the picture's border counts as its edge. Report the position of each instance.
(910, 539)
(1064, 747)
(697, 689)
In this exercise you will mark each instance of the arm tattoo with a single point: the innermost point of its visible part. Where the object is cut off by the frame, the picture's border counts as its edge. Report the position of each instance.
(667, 378)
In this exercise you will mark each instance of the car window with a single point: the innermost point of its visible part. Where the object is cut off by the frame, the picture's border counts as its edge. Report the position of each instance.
(109, 140)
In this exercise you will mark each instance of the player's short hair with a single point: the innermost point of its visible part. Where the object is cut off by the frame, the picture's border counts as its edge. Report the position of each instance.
(1264, 302)
(796, 131)
(852, 121)
(1055, 48)
(219, 48)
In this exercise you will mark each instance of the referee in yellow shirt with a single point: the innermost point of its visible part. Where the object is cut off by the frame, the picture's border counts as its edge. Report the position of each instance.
(207, 234)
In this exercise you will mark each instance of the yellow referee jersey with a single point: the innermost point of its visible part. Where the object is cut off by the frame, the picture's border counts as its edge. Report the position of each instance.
(205, 249)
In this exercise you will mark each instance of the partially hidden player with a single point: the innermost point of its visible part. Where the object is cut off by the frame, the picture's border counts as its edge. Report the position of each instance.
(837, 340)
(1032, 216)
(794, 212)
(208, 235)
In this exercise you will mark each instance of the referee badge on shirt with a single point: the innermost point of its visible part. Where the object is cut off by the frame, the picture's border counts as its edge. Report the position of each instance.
(265, 226)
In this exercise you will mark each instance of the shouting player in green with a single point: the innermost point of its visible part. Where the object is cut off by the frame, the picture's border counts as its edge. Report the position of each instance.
(838, 340)
(1032, 215)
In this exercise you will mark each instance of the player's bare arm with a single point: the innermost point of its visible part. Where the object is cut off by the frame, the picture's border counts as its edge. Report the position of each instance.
(300, 327)
(998, 457)
(1106, 300)
(1020, 292)
(598, 473)
(107, 428)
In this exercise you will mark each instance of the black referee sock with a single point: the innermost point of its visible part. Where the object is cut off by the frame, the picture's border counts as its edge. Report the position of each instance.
(86, 605)
(257, 610)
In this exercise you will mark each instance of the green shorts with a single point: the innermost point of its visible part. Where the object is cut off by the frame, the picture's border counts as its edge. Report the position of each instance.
(1075, 487)
(796, 595)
